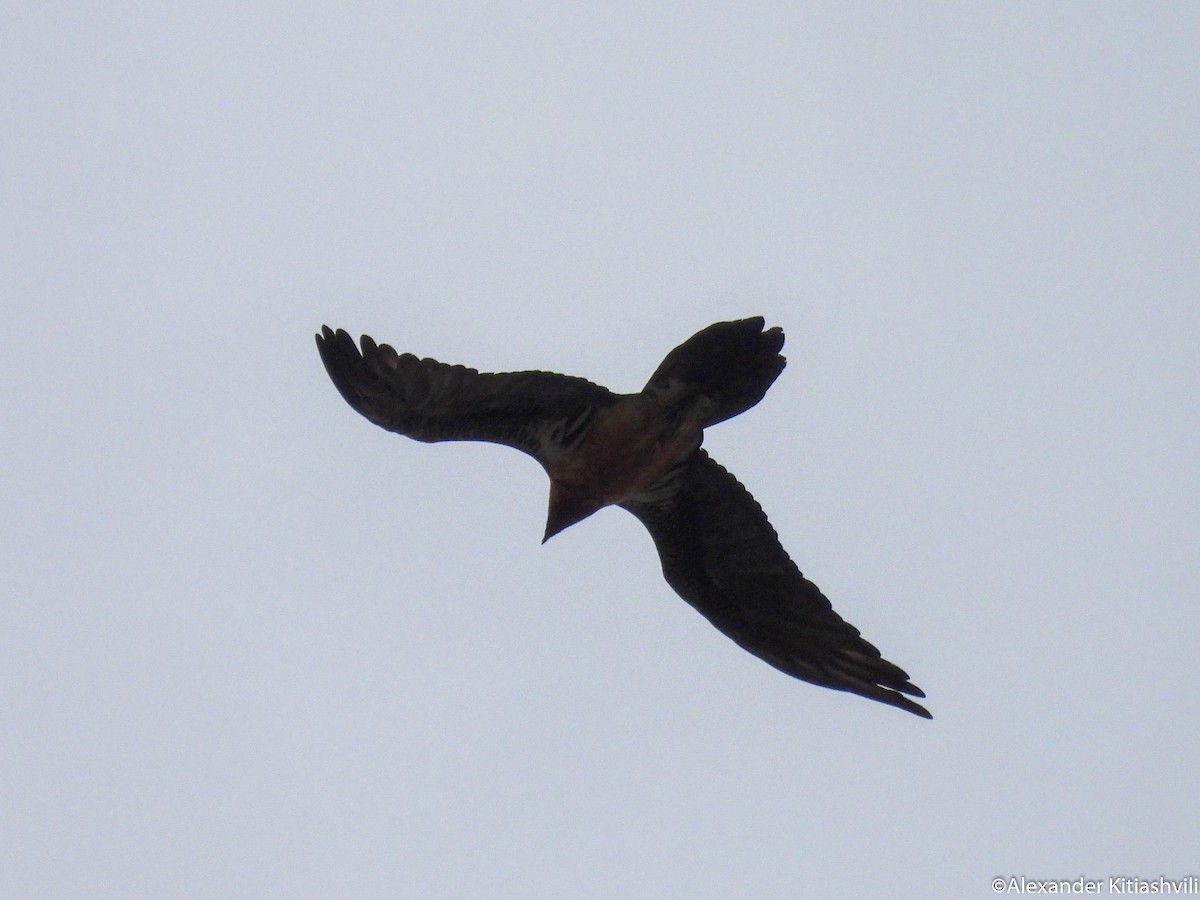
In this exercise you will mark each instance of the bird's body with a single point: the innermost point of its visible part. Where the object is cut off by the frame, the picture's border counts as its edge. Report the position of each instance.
(627, 446)
(642, 452)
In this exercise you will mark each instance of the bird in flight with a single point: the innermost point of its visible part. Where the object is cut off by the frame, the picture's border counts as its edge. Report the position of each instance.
(642, 452)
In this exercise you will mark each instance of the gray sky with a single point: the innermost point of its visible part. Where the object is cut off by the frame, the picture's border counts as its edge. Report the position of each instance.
(251, 645)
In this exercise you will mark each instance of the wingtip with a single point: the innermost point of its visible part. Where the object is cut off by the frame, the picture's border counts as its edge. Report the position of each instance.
(918, 710)
(901, 702)
(327, 336)
(895, 696)
(891, 695)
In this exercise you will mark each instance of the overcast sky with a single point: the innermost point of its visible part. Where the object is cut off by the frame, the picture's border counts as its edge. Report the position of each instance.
(253, 646)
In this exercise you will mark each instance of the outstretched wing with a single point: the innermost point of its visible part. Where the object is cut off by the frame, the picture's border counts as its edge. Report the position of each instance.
(720, 554)
(432, 401)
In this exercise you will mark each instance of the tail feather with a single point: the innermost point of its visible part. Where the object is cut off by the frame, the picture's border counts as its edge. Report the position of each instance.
(733, 363)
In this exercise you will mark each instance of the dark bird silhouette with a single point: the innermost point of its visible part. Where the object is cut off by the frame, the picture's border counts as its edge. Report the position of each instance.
(642, 452)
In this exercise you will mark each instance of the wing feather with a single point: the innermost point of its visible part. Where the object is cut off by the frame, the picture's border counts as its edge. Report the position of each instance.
(719, 553)
(431, 401)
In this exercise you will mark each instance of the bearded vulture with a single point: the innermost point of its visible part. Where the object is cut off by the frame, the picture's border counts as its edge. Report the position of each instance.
(642, 452)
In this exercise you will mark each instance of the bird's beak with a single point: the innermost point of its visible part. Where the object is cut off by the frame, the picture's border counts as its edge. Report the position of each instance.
(566, 508)
(552, 528)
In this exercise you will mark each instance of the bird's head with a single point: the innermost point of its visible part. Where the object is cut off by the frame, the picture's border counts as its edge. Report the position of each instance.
(569, 503)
